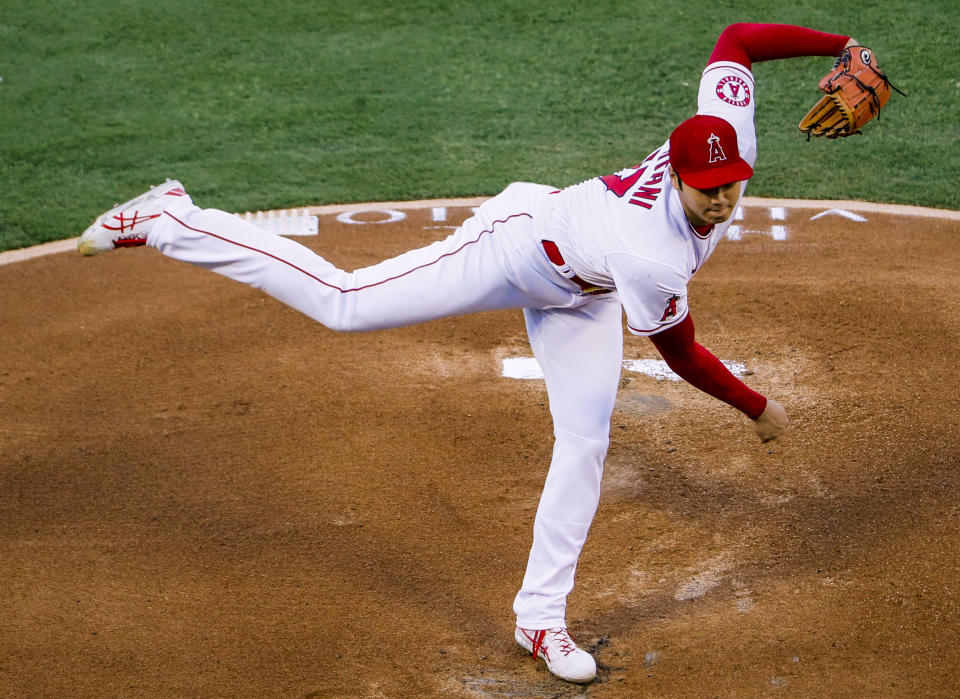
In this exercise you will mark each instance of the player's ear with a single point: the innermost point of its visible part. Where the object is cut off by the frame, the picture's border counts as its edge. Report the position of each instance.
(675, 178)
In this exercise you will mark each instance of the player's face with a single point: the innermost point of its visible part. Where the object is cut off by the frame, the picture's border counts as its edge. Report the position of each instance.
(704, 207)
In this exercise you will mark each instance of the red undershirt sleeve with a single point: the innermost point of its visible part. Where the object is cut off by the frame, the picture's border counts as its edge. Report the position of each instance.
(745, 43)
(696, 365)
(742, 43)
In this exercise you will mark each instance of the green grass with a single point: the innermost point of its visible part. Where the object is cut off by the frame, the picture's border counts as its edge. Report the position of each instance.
(260, 105)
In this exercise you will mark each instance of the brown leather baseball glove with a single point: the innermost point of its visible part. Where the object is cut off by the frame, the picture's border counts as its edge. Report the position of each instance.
(856, 90)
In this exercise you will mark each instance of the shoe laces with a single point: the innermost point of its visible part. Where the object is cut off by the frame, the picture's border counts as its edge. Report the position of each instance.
(561, 641)
(128, 222)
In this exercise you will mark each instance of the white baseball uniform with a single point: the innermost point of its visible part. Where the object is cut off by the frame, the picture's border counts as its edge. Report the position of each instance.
(625, 233)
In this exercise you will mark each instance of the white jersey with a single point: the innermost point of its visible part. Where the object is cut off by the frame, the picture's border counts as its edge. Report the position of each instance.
(628, 230)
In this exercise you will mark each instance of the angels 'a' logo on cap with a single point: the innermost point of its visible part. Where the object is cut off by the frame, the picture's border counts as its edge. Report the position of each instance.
(716, 150)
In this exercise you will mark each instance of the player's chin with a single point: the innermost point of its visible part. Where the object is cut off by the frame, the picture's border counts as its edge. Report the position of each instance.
(718, 215)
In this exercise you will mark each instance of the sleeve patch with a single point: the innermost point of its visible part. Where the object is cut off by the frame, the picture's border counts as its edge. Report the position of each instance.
(734, 90)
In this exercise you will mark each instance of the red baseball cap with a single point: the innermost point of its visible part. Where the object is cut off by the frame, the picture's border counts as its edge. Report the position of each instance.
(704, 152)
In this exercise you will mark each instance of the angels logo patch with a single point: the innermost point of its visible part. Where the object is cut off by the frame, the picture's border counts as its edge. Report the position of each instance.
(671, 310)
(734, 90)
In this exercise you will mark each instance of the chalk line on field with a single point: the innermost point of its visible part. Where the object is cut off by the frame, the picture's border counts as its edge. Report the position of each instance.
(529, 368)
(861, 206)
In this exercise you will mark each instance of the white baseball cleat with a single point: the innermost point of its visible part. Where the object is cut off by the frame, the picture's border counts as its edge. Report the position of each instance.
(561, 654)
(127, 225)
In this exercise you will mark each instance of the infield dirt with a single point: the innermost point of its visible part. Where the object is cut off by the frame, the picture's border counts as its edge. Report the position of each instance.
(203, 493)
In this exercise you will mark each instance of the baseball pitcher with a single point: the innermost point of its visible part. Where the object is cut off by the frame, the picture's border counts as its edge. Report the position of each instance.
(575, 260)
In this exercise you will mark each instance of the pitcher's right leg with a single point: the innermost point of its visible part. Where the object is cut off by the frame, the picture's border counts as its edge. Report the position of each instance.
(226, 244)
(491, 262)
(461, 274)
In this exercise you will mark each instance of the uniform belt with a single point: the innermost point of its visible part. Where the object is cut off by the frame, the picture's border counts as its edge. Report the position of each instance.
(553, 254)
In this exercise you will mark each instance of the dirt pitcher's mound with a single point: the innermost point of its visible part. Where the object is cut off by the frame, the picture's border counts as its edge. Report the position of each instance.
(203, 493)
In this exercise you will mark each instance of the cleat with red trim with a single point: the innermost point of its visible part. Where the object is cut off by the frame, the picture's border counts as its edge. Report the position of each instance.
(560, 652)
(127, 225)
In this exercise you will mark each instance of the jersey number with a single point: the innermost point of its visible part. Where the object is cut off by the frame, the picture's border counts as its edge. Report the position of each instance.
(620, 185)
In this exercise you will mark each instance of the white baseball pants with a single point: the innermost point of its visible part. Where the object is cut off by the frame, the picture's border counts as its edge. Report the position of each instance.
(493, 261)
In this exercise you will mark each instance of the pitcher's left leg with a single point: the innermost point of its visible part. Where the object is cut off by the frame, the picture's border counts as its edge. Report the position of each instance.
(580, 351)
